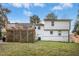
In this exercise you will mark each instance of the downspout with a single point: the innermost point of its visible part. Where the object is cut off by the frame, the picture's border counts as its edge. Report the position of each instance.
(69, 31)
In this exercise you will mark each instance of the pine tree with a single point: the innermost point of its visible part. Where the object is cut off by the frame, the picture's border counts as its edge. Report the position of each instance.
(51, 16)
(34, 19)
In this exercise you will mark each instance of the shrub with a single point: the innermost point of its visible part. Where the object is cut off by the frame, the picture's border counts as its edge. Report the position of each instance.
(77, 32)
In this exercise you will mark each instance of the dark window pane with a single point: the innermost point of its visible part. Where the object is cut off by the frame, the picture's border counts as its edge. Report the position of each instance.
(59, 33)
(52, 23)
(51, 32)
(39, 27)
(35, 27)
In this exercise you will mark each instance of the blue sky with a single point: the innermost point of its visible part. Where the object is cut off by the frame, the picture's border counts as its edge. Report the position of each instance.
(20, 12)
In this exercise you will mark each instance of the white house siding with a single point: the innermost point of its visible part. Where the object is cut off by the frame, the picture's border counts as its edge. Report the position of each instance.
(44, 31)
(45, 35)
(57, 25)
(55, 37)
(65, 39)
(39, 32)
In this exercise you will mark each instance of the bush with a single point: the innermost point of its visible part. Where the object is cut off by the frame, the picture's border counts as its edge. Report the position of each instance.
(77, 32)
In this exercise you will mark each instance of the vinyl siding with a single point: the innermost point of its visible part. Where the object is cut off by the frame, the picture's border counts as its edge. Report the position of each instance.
(58, 25)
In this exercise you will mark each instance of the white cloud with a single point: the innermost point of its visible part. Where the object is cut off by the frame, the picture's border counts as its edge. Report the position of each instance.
(27, 13)
(62, 6)
(27, 5)
(18, 5)
(67, 5)
(39, 4)
(57, 8)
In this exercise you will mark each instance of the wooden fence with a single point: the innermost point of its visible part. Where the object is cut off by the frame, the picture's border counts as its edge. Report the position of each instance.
(20, 35)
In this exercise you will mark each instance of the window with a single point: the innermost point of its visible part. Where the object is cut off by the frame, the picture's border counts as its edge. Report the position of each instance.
(39, 27)
(59, 33)
(51, 32)
(35, 27)
(52, 23)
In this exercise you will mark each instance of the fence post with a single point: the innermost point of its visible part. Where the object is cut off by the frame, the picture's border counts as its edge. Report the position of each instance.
(13, 35)
(20, 35)
(27, 35)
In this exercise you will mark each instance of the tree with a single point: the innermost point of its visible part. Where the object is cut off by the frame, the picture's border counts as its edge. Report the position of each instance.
(76, 27)
(3, 18)
(34, 19)
(51, 16)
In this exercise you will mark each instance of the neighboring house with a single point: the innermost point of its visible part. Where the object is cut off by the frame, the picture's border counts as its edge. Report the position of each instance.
(57, 30)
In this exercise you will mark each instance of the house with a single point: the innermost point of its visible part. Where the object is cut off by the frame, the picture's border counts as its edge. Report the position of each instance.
(51, 30)
(56, 30)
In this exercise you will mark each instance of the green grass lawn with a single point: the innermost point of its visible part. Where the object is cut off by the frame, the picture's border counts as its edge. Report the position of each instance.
(42, 48)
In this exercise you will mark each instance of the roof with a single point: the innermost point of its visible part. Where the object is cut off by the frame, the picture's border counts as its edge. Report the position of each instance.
(57, 19)
(25, 25)
(39, 24)
(56, 29)
(11, 26)
(18, 25)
